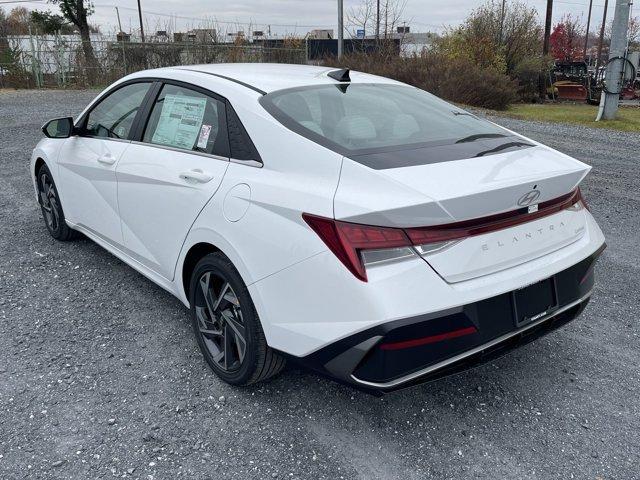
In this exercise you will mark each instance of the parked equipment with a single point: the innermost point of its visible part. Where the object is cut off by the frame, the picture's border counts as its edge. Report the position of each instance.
(575, 81)
(570, 81)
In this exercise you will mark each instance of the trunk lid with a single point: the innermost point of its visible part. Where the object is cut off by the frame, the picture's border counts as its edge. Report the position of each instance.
(454, 191)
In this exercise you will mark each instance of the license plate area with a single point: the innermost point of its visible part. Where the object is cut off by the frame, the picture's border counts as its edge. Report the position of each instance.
(534, 301)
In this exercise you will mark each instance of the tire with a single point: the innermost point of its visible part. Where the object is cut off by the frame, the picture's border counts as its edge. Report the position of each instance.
(51, 207)
(227, 326)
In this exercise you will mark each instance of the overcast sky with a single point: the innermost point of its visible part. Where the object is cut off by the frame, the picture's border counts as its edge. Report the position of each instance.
(293, 16)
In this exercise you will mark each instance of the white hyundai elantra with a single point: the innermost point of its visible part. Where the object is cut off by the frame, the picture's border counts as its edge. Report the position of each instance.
(359, 225)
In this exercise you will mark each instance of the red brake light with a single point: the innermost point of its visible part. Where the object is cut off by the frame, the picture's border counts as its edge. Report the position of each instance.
(347, 240)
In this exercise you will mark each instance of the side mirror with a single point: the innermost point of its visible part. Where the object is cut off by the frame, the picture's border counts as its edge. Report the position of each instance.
(58, 128)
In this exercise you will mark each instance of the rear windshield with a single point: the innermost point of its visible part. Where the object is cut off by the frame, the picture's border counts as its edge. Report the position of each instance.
(360, 118)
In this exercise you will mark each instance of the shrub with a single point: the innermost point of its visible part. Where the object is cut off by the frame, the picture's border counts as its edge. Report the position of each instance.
(528, 72)
(458, 80)
(505, 36)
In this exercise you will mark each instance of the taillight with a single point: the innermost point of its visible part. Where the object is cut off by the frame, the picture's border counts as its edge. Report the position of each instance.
(358, 245)
(348, 240)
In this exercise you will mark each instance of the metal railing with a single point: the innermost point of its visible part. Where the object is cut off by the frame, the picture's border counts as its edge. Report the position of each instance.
(34, 61)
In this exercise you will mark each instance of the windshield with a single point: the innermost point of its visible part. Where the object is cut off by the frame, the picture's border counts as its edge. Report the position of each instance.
(368, 118)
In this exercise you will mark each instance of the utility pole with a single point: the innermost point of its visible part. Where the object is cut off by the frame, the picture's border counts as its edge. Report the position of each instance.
(547, 27)
(340, 28)
(604, 22)
(614, 79)
(545, 47)
(586, 37)
(140, 18)
(377, 20)
(501, 22)
(119, 24)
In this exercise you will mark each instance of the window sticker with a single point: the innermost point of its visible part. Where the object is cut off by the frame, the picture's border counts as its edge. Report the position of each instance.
(203, 138)
(180, 121)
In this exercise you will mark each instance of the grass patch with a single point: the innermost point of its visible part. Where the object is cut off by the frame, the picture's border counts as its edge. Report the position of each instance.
(582, 114)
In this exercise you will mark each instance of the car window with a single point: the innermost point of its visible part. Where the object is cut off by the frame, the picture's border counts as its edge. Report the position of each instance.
(240, 144)
(371, 117)
(187, 119)
(113, 117)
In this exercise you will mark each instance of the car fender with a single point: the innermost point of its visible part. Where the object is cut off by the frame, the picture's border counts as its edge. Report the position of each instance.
(203, 234)
(47, 150)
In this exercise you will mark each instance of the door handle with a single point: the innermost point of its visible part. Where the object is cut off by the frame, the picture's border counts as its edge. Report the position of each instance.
(107, 159)
(196, 175)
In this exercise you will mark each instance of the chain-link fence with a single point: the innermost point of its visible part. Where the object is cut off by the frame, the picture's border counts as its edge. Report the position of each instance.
(33, 61)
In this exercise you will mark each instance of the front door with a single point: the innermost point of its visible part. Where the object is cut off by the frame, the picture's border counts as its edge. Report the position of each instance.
(165, 180)
(87, 162)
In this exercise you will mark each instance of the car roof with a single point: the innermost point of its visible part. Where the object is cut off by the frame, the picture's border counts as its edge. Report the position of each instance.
(269, 77)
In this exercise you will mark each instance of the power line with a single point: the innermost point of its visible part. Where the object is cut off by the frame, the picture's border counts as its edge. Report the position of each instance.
(581, 4)
(181, 17)
(227, 22)
(214, 20)
(4, 2)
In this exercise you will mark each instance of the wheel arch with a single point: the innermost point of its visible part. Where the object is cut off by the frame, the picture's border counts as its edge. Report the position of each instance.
(38, 164)
(191, 259)
(200, 242)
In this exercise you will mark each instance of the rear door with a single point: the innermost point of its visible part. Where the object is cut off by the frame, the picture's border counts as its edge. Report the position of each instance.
(170, 172)
(87, 162)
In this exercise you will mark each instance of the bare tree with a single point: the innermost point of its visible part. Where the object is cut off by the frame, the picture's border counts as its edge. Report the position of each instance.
(391, 13)
(363, 15)
(18, 21)
(495, 37)
(77, 12)
(9, 56)
(634, 32)
(4, 41)
(521, 34)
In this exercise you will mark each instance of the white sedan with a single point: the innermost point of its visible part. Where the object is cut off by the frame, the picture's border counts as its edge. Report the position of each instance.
(358, 225)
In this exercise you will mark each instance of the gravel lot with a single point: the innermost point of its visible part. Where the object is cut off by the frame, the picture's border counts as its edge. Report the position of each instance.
(100, 375)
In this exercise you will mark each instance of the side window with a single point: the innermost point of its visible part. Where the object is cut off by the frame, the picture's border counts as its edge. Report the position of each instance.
(184, 118)
(113, 117)
(242, 148)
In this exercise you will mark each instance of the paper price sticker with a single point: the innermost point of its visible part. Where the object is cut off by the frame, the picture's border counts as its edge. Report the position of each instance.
(180, 120)
(203, 138)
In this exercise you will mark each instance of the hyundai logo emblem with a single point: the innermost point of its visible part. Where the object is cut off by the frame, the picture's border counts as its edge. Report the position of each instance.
(529, 198)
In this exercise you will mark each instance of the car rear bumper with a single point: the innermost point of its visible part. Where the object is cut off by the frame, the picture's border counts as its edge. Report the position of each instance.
(419, 349)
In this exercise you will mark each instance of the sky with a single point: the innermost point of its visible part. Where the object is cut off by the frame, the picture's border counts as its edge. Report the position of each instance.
(291, 16)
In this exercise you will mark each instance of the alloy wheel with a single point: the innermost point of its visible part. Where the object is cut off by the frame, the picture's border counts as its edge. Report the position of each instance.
(220, 321)
(49, 202)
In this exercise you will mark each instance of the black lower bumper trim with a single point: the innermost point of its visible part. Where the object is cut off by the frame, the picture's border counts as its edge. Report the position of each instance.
(376, 359)
(483, 353)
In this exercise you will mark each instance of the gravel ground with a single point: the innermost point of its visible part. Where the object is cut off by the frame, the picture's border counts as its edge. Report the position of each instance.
(100, 375)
